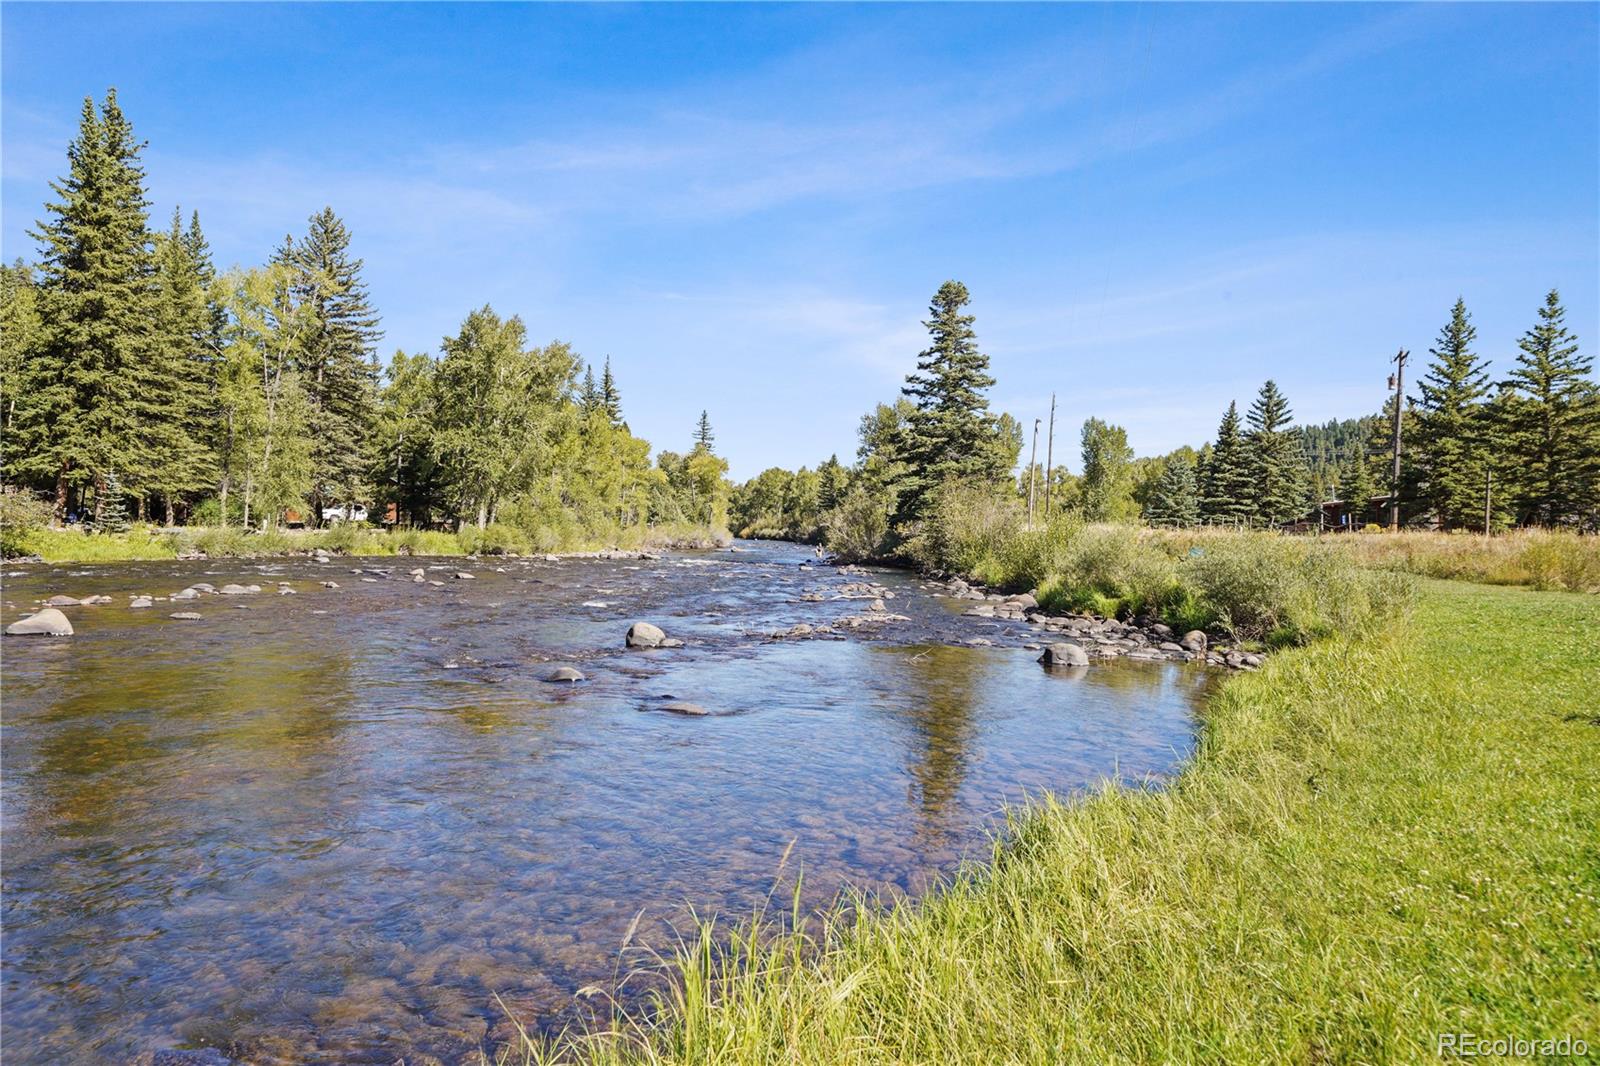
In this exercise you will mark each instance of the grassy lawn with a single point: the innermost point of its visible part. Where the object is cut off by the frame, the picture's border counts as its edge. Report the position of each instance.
(1379, 841)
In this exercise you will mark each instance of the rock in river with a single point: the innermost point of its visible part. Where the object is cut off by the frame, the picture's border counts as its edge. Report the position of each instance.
(693, 710)
(185, 616)
(186, 594)
(565, 673)
(140, 603)
(1194, 641)
(46, 623)
(61, 601)
(644, 635)
(1064, 654)
(239, 590)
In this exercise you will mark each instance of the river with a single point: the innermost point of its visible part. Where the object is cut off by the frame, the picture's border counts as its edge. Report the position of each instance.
(347, 825)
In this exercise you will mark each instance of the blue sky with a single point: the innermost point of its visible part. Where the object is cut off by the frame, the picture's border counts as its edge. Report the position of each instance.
(1155, 206)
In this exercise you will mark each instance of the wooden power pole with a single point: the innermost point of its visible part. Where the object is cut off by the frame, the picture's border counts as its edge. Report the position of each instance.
(1049, 456)
(1397, 379)
(1033, 468)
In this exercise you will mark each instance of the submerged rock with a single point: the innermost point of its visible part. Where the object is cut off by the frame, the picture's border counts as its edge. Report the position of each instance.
(1064, 654)
(566, 674)
(46, 623)
(644, 635)
(693, 710)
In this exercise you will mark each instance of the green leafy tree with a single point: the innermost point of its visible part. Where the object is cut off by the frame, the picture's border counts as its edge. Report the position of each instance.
(499, 409)
(21, 335)
(336, 362)
(1177, 496)
(76, 417)
(407, 474)
(1554, 424)
(951, 435)
(1107, 485)
(1450, 434)
(1278, 471)
(1228, 488)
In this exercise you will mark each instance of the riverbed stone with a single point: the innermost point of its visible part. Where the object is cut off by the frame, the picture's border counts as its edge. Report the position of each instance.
(48, 622)
(62, 601)
(1194, 641)
(644, 635)
(330, 584)
(140, 603)
(462, 575)
(239, 590)
(683, 707)
(186, 594)
(1064, 654)
(185, 616)
(567, 674)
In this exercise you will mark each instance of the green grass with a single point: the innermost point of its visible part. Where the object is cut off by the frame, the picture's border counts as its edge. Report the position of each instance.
(1379, 840)
(143, 543)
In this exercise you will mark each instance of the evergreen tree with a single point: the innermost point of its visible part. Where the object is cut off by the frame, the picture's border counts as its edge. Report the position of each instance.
(703, 437)
(1555, 424)
(1356, 489)
(951, 433)
(1449, 438)
(610, 399)
(1278, 470)
(76, 415)
(174, 395)
(1227, 491)
(588, 394)
(336, 365)
(1177, 498)
(111, 512)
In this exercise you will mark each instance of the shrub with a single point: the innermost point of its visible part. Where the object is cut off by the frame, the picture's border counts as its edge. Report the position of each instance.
(22, 515)
(858, 528)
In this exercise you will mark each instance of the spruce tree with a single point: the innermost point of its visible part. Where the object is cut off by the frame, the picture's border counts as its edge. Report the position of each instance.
(335, 363)
(1177, 498)
(1449, 439)
(174, 398)
(951, 432)
(1356, 489)
(76, 416)
(610, 399)
(703, 437)
(1555, 423)
(110, 506)
(21, 333)
(1226, 493)
(1278, 470)
(588, 393)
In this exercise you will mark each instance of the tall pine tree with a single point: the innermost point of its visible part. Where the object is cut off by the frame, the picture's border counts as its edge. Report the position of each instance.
(1278, 470)
(951, 434)
(76, 417)
(1554, 423)
(336, 365)
(1177, 499)
(21, 332)
(610, 398)
(703, 437)
(1227, 493)
(1450, 439)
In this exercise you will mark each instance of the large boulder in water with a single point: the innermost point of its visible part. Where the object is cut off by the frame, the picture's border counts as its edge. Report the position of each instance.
(46, 623)
(644, 635)
(570, 674)
(1194, 641)
(1064, 654)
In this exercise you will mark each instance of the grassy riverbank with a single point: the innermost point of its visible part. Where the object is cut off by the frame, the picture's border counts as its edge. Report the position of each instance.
(1379, 840)
(147, 543)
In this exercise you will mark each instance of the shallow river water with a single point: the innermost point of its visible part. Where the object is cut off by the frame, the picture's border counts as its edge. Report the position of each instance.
(347, 825)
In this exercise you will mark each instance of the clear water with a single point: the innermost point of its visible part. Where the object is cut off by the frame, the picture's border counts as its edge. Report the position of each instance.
(336, 826)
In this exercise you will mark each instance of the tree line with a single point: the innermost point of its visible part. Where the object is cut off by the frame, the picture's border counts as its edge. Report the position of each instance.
(1532, 440)
(136, 376)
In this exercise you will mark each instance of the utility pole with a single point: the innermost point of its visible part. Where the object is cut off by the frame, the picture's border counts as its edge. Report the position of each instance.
(1033, 468)
(1049, 456)
(1397, 381)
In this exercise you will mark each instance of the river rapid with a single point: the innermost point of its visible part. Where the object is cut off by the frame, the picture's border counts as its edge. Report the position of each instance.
(355, 824)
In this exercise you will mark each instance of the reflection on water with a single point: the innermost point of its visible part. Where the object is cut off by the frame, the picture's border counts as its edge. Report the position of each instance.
(332, 827)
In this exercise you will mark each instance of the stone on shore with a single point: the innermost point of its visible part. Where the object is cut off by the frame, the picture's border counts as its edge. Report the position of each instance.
(645, 635)
(62, 601)
(1064, 654)
(46, 623)
(1194, 641)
